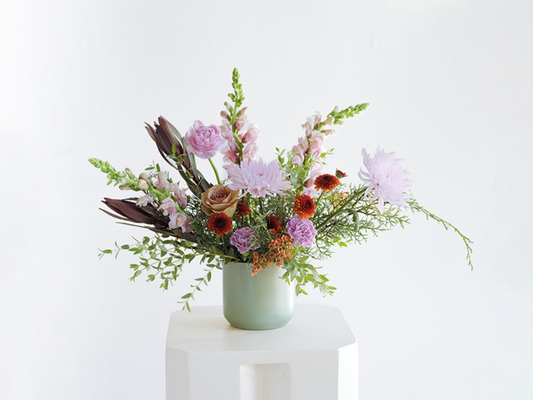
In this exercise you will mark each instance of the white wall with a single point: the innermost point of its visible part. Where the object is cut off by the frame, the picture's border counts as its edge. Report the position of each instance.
(450, 85)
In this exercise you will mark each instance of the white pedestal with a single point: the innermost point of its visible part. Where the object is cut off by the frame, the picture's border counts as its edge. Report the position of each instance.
(313, 357)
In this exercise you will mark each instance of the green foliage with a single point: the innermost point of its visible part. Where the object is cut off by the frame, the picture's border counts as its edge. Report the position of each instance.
(163, 258)
(418, 208)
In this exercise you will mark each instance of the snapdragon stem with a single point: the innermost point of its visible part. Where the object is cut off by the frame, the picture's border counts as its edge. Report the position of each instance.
(215, 169)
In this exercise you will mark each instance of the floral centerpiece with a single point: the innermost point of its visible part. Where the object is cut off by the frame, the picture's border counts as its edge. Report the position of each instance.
(286, 211)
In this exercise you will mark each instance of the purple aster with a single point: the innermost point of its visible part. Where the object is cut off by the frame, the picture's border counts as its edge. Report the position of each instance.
(258, 178)
(243, 239)
(387, 178)
(301, 231)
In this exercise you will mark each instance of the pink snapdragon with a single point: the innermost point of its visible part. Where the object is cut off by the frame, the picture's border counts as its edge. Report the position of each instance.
(179, 220)
(249, 138)
(144, 200)
(203, 141)
(315, 144)
(387, 178)
(167, 206)
(230, 149)
(248, 134)
(180, 195)
(162, 181)
(314, 171)
(300, 150)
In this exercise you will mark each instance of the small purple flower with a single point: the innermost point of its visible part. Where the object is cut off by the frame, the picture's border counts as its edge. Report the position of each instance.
(387, 178)
(301, 231)
(243, 239)
(203, 141)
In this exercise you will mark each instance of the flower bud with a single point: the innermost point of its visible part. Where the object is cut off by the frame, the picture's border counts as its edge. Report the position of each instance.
(329, 120)
(224, 114)
(339, 174)
(143, 176)
(242, 111)
(124, 187)
(142, 184)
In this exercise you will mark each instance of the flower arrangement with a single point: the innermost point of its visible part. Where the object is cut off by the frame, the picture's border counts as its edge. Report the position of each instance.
(285, 212)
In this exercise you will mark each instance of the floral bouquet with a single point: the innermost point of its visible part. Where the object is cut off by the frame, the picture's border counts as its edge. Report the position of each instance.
(286, 212)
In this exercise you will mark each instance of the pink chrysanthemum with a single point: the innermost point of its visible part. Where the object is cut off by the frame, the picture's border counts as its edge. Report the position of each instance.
(258, 178)
(387, 178)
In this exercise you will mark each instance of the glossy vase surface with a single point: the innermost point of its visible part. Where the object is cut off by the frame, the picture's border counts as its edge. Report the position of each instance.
(262, 301)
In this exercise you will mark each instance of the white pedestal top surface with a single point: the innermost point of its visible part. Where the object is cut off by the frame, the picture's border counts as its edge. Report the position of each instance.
(313, 328)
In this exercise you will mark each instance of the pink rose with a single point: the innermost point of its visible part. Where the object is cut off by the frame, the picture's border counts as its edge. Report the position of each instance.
(203, 141)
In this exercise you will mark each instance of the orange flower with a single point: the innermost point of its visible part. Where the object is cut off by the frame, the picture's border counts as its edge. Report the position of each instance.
(326, 182)
(304, 206)
(272, 222)
(219, 223)
(242, 210)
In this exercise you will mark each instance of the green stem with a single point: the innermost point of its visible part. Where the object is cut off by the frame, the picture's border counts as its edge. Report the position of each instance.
(215, 169)
(340, 210)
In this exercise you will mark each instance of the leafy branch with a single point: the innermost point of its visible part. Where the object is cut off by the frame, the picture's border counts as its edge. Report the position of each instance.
(417, 207)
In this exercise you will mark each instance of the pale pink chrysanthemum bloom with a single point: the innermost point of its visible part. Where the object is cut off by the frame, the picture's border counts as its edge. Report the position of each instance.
(387, 178)
(258, 178)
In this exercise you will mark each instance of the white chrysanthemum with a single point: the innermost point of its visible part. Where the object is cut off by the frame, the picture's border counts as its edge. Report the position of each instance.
(387, 178)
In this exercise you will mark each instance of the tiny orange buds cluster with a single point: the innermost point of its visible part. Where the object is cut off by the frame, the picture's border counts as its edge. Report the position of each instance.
(280, 249)
(338, 198)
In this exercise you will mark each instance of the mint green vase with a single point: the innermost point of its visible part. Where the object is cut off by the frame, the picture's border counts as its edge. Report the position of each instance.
(259, 302)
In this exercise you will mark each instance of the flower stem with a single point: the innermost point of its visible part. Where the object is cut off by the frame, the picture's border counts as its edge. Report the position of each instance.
(215, 169)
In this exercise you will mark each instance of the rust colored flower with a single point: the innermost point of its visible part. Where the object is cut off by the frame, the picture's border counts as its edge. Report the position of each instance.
(326, 182)
(219, 223)
(304, 206)
(242, 210)
(339, 174)
(272, 223)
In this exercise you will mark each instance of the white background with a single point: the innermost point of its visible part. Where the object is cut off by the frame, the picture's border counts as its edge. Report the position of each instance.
(450, 87)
